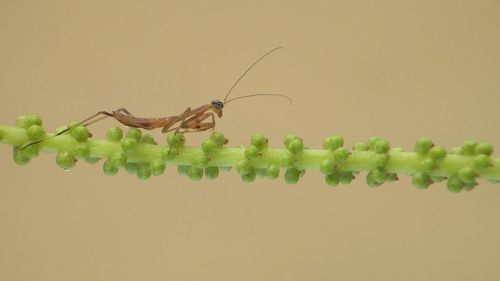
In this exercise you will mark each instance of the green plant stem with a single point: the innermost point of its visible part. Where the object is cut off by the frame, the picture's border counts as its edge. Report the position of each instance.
(398, 161)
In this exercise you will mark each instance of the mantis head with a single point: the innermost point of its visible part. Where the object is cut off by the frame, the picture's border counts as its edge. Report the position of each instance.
(217, 105)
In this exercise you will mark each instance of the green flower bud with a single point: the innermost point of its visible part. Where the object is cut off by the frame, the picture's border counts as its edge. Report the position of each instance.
(157, 167)
(31, 151)
(437, 153)
(272, 172)
(244, 167)
(195, 173)
(381, 146)
(134, 133)
(20, 157)
(333, 178)
(467, 175)
(333, 142)
(33, 119)
(219, 139)
(423, 145)
(249, 177)
(376, 176)
(259, 141)
(114, 134)
(176, 140)
(340, 155)
(372, 141)
(327, 167)
(209, 146)
(455, 185)
(144, 171)
(482, 161)
(292, 175)
(251, 152)
(80, 133)
(484, 148)
(109, 169)
(35, 132)
(296, 146)
(379, 175)
(212, 172)
(129, 144)
(421, 180)
(371, 182)
(469, 147)
(289, 138)
(65, 160)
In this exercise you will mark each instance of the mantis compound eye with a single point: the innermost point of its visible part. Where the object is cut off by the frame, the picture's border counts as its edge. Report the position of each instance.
(218, 104)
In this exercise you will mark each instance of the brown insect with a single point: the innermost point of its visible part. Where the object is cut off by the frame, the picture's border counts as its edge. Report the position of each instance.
(191, 120)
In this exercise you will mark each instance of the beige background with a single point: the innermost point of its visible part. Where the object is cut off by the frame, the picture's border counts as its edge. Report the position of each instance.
(397, 69)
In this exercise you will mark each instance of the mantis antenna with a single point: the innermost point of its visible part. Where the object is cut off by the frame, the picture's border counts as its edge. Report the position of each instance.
(253, 95)
(246, 71)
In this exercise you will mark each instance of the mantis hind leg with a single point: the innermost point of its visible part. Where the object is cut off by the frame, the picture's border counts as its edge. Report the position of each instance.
(124, 110)
(84, 122)
(89, 120)
(106, 115)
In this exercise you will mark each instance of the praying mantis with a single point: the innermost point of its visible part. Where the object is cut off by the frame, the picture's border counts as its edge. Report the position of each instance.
(199, 119)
